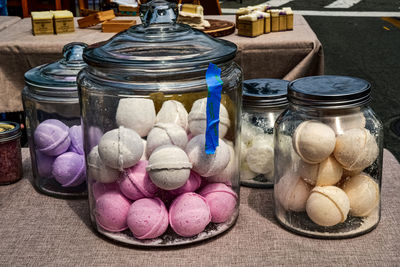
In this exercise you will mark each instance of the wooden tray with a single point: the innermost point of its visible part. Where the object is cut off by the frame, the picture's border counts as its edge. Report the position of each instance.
(219, 28)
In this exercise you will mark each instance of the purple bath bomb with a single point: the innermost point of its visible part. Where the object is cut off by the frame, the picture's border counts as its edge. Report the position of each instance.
(191, 185)
(99, 189)
(76, 136)
(52, 137)
(69, 169)
(94, 136)
(135, 182)
(44, 164)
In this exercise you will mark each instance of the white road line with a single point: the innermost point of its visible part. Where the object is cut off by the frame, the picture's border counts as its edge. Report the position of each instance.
(343, 3)
(277, 3)
(227, 11)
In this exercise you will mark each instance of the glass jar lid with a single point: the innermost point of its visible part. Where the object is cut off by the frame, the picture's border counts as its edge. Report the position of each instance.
(60, 74)
(9, 131)
(265, 93)
(159, 43)
(329, 92)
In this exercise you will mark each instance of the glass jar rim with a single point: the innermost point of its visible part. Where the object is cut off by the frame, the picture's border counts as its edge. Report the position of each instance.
(12, 131)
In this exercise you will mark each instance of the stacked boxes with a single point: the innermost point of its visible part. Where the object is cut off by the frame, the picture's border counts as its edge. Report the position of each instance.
(63, 21)
(50, 22)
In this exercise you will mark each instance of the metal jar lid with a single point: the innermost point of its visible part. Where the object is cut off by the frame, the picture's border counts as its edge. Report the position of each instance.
(265, 93)
(329, 92)
(9, 131)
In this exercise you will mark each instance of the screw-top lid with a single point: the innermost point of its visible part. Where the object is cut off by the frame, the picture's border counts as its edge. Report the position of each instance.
(329, 91)
(265, 93)
(9, 131)
(60, 75)
(159, 43)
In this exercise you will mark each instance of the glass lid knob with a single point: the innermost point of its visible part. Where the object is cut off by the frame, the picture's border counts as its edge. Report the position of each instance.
(158, 11)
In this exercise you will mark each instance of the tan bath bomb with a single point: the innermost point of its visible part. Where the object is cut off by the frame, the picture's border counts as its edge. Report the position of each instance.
(260, 155)
(169, 167)
(229, 171)
(198, 118)
(314, 141)
(166, 134)
(356, 149)
(345, 122)
(173, 112)
(137, 114)
(292, 192)
(207, 164)
(363, 193)
(328, 172)
(120, 148)
(327, 205)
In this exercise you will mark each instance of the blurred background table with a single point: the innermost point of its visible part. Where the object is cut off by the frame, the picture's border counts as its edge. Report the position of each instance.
(285, 55)
(37, 230)
(6, 21)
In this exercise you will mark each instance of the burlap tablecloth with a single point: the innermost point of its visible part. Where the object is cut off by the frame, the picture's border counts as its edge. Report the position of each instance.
(286, 55)
(37, 230)
(6, 21)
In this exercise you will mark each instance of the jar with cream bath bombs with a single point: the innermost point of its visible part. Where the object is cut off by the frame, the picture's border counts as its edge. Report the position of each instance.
(263, 101)
(161, 126)
(55, 138)
(328, 158)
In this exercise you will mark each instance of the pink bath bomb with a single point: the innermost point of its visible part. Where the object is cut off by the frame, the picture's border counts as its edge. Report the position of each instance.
(76, 136)
(69, 169)
(189, 214)
(51, 137)
(111, 211)
(191, 185)
(221, 199)
(147, 218)
(101, 188)
(44, 164)
(135, 182)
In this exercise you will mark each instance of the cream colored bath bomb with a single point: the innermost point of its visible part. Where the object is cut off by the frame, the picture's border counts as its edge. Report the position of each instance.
(327, 205)
(198, 118)
(246, 173)
(292, 192)
(328, 172)
(314, 141)
(243, 151)
(356, 149)
(173, 111)
(166, 134)
(363, 193)
(98, 170)
(207, 164)
(230, 170)
(169, 167)
(121, 148)
(137, 114)
(260, 155)
(249, 131)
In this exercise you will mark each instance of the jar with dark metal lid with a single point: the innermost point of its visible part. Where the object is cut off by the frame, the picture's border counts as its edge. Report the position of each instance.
(263, 101)
(51, 104)
(328, 158)
(150, 100)
(10, 152)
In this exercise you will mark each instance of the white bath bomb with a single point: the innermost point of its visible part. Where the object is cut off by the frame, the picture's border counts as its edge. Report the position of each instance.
(260, 154)
(229, 171)
(121, 148)
(173, 112)
(344, 122)
(207, 164)
(313, 141)
(363, 193)
(98, 170)
(327, 205)
(137, 114)
(169, 167)
(249, 131)
(246, 173)
(166, 134)
(198, 118)
(243, 151)
(328, 172)
(292, 192)
(356, 149)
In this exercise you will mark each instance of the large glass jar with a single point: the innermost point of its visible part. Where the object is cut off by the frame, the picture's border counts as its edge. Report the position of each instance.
(144, 96)
(51, 105)
(263, 101)
(328, 158)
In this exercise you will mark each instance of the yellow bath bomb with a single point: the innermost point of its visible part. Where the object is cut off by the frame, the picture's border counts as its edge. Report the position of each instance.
(327, 205)
(292, 192)
(363, 193)
(328, 172)
(356, 149)
(314, 141)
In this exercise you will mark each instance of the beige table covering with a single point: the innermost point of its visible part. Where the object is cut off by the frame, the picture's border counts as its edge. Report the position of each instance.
(6, 21)
(37, 230)
(287, 55)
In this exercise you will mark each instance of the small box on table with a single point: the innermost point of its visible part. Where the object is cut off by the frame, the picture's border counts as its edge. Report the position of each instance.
(42, 22)
(63, 21)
